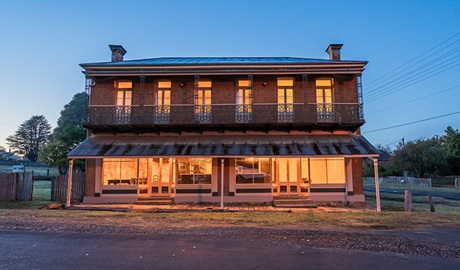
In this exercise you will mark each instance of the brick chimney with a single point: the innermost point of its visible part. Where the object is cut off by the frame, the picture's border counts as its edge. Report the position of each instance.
(334, 51)
(117, 52)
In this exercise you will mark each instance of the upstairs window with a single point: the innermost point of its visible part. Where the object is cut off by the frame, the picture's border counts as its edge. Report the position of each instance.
(285, 94)
(203, 102)
(164, 93)
(244, 96)
(324, 94)
(124, 93)
(203, 95)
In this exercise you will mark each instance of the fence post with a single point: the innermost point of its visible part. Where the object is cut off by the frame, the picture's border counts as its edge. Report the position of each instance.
(407, 201)
(430, 200)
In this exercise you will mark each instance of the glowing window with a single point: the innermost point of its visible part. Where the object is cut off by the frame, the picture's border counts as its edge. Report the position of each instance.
(164, 84)
(124, 85)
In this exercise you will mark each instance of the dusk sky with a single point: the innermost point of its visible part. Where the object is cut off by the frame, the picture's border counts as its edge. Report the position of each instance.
(413, 49)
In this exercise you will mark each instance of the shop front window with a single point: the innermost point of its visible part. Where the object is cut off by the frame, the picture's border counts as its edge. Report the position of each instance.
(253, 170)
(194, 170)
(122, 171)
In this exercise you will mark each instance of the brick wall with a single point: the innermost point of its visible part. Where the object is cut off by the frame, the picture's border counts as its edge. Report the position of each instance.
(224, 89)
(357, 175)
(90, 177)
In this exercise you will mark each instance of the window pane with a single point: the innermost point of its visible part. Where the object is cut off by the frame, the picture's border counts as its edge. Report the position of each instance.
(206, 84)
(160, 98)
(244, 83)
(285, 82)
(124, 84)
(304, 170)
(128, 98)
(289, 96)
(318, 171)
(319, 96)
(164, 84)
(324, 82)
(336, 170)
(194, 170)
(167, 97)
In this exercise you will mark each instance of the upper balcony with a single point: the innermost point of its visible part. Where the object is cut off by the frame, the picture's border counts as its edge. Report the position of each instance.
(224, 117)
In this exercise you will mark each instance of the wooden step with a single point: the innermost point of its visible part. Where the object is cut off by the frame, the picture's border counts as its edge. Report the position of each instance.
(155, 201)
(293, 202)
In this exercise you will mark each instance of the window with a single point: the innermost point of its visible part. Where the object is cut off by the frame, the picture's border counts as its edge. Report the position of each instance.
(244, 101)
(285, 100)
(327, 170)
(324, 95)
(253, 170)
(203, 102)
(123, 102)
(194, 170)
(163, 102)
(123, 171)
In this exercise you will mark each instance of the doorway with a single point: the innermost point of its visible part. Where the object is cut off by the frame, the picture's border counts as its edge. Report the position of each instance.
(288, 176)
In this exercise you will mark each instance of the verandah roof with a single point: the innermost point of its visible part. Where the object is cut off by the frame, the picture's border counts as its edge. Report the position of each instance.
(99, 146)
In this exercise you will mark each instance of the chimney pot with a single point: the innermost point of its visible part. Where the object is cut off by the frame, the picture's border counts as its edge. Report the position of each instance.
(334, 51)
(117, 52)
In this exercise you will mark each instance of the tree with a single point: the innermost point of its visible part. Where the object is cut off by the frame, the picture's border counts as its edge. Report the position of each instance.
(73, 113)
(421, 156)
(30, 136)
(67, 135)
(452, 143)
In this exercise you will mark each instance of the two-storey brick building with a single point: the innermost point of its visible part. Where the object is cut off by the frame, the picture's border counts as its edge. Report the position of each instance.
(232, 129)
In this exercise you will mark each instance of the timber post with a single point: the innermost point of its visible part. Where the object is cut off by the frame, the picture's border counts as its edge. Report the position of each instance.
(69, 184)
(407, 201)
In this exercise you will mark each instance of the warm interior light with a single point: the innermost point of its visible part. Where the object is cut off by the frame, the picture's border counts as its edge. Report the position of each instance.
(124, 85)
(164, 84)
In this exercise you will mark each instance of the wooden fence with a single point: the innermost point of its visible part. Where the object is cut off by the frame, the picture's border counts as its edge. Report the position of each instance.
(16, 186)
(59, 187)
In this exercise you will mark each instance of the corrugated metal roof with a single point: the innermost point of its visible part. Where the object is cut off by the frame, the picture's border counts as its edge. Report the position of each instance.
(223, 145)
(171, 61)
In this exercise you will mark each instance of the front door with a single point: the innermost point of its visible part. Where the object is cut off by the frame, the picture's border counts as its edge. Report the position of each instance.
(161, 177)
(288, 176)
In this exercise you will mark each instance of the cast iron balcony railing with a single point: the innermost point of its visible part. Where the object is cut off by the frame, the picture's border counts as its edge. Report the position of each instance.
(243, 113)
(226, 114)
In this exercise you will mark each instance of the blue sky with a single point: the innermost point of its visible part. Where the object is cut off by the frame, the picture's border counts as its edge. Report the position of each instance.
(44, 41)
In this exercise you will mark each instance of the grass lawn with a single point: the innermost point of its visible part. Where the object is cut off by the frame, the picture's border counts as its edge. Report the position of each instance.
(42, 190)
(392, 215)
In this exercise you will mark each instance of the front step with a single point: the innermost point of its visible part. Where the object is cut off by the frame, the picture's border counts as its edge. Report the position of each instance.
(294, 202)
(155, 201)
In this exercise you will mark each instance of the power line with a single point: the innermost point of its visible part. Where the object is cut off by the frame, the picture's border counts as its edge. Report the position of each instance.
(394, 70)
(414, 122)
(417, 72)
(418, 81)
(413, 100)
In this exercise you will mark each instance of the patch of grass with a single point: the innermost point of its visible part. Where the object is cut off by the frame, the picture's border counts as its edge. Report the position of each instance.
(42, 190)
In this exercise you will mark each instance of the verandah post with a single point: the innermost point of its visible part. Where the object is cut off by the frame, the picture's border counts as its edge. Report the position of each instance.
(377, 184)
(69, 184)
(222, 184)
